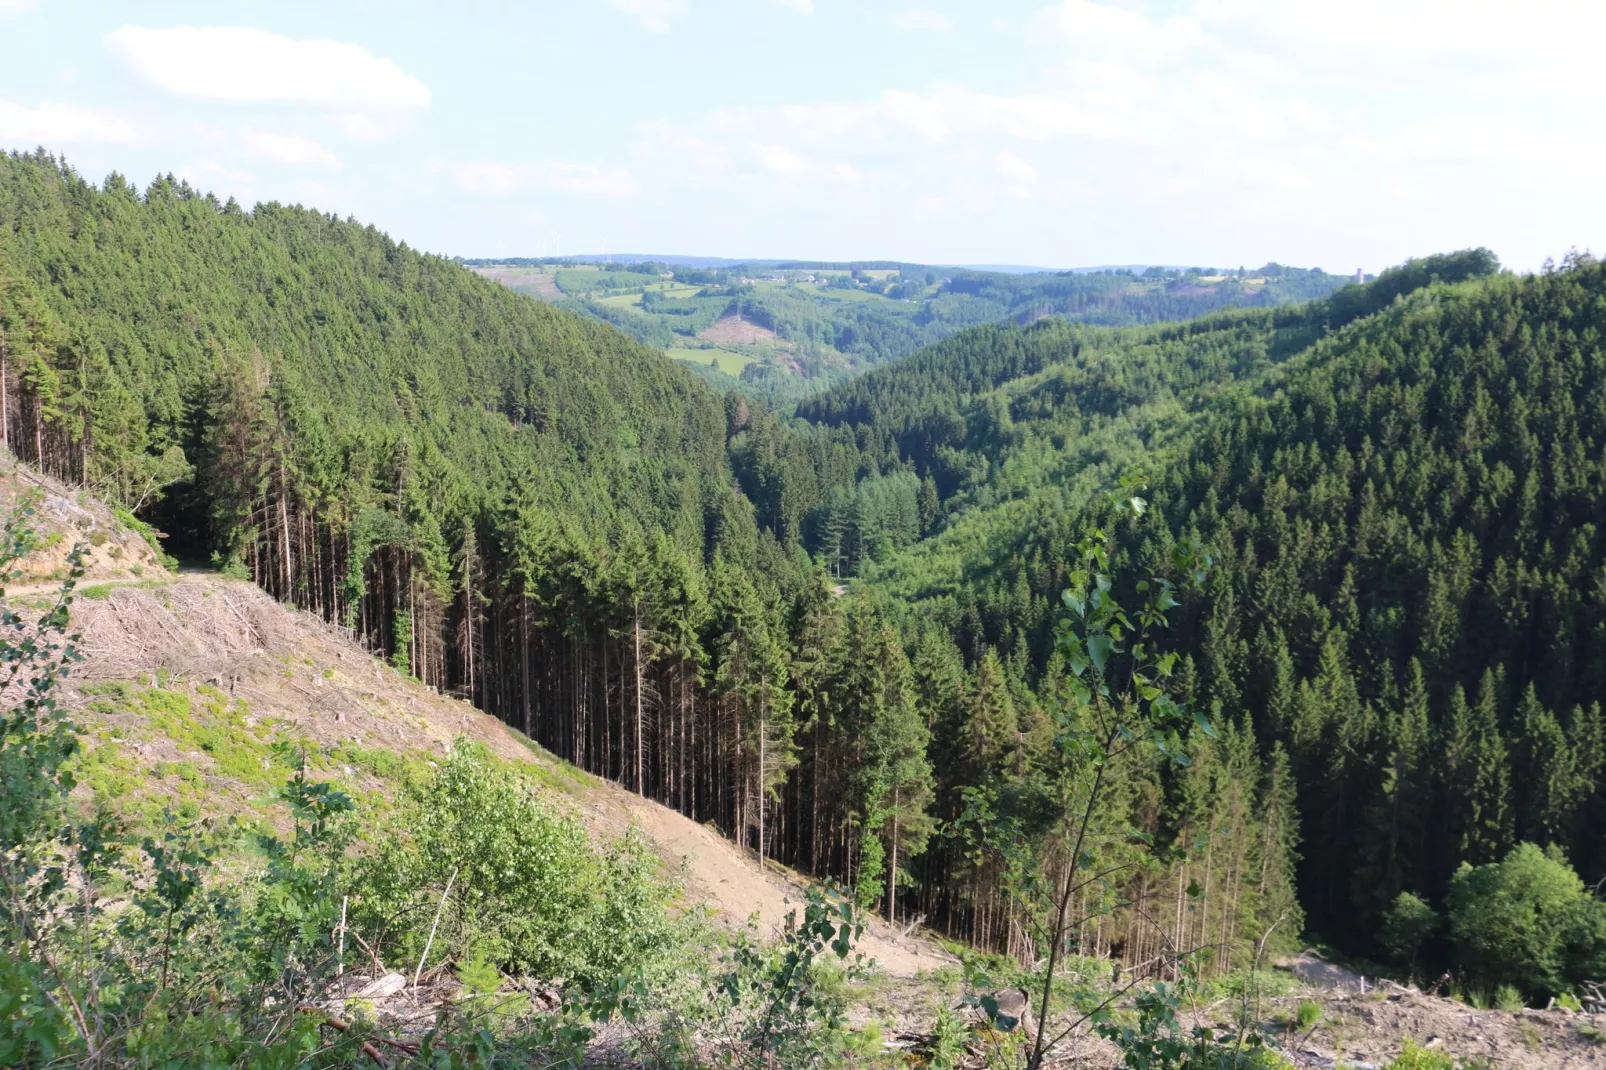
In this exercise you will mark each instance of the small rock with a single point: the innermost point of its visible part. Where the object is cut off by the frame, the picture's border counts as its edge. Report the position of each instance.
(383, 987)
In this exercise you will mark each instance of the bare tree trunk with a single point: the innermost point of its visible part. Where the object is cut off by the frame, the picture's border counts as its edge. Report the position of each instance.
(5, 398)
(641, 787)
(763, 744)
(892, 870)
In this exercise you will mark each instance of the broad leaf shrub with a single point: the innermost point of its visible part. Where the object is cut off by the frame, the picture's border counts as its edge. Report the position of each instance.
(529, 892)
(1527, 921)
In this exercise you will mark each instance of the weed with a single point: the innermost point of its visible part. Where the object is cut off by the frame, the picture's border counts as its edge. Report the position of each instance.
(949, 1040)
(1507, 998)
(1415, 1057)
(1308, 1014)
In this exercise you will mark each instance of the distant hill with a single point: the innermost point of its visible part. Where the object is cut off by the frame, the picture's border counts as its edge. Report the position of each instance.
(827, 321)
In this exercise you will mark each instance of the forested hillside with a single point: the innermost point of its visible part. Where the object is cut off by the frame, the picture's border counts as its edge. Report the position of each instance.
(840, 637)
(1404, 516)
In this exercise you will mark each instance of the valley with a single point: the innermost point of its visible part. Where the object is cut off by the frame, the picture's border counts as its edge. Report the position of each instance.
(1104, 637)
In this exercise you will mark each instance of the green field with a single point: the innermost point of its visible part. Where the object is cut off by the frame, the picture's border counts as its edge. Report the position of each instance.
(726, 360)
(677, 290)
(855, 296)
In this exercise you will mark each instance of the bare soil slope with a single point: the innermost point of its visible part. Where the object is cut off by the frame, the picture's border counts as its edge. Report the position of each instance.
(734, 330)
(66, 517)
(266, 671)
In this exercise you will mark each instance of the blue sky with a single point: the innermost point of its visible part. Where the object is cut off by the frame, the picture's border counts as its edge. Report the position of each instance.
(1212, 132)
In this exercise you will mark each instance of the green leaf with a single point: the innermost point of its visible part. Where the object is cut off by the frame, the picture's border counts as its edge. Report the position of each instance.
(1099, 648)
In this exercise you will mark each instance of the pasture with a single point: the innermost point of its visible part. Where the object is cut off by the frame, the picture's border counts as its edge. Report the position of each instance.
(726, 360)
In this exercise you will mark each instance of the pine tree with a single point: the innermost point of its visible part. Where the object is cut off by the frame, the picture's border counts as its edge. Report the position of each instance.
(1488, 829)
(897, 782)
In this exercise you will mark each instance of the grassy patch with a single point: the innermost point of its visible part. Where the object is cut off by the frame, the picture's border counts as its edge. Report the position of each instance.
(215, 755)
(553, 772)
(102, 591)
(727, 361)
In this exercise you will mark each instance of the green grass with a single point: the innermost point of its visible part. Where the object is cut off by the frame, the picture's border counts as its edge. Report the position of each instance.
(580, 280)
(102, 591)
(855, 295)
(727, 361)
(621, 301)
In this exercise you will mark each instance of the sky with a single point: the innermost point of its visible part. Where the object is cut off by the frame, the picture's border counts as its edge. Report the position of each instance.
(1223, 133)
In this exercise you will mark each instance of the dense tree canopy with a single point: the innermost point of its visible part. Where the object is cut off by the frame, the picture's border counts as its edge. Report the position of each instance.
(833, 635)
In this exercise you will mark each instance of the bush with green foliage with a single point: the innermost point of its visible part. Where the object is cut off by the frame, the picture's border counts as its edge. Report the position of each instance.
(1408, 923)
(528, 891)
(1158, 1041)
(1526, 921)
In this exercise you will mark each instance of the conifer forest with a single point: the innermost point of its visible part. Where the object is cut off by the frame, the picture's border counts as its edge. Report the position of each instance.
(836, 631)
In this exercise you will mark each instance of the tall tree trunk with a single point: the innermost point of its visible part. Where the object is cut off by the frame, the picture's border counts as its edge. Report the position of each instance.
(892, 870)
(763, 741)
(641, 787)
(5, 397)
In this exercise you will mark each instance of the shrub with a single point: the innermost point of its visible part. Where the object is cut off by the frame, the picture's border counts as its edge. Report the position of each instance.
(1507, 998)
(1407, 924)
(1526, 921)
(528, 892)
(1308, 1014)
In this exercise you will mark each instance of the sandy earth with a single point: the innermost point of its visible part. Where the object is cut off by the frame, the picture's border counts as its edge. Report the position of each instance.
(1365, 1021)
(66, 518)
(734, 330)
(535, 283)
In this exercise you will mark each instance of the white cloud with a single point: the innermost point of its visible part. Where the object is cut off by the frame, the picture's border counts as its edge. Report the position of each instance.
(802, 7)
(586, 178)
(654, 16)
(15, 7)
(290, 149)
(700, 153)
(53, 123)
(780, 159)
(1015, 169)
(488, 178)
(366, 126)
(210, 173)
(923, 20)
(247, 65)
(494, 179)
